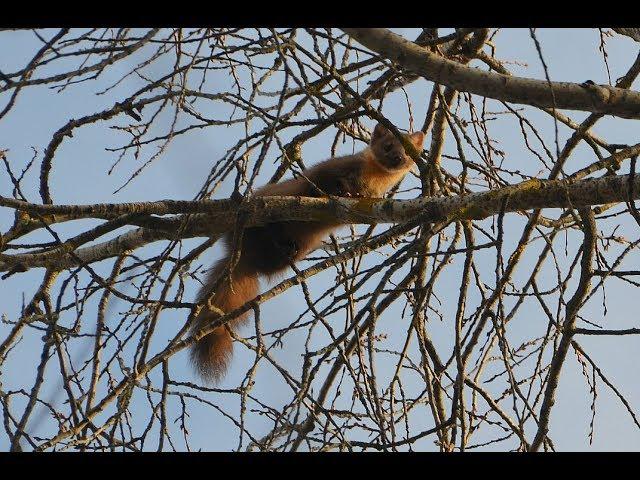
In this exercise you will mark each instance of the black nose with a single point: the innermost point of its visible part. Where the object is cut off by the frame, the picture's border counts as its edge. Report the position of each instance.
(396, 161)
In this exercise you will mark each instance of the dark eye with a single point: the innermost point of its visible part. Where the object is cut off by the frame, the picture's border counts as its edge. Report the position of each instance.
(387, 147)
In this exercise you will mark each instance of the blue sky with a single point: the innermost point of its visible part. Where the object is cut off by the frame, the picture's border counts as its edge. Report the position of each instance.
(80, 176)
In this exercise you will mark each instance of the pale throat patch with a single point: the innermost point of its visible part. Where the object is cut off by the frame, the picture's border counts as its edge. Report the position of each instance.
(378, 178)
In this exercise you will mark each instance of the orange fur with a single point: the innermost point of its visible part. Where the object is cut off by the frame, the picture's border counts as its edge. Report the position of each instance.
(270, 249)
(378, 178)
(211, 354)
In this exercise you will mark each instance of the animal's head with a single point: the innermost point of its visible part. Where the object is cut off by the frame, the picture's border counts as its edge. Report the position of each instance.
(389, 151)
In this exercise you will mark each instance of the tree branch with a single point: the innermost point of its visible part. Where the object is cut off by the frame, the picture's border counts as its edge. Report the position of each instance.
(586, 97)
(217, 216)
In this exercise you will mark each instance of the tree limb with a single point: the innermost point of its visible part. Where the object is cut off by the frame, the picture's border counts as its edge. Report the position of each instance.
(217, 216)
(587, 97)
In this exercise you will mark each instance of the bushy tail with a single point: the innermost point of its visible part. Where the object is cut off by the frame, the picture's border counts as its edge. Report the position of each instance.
(211, 355)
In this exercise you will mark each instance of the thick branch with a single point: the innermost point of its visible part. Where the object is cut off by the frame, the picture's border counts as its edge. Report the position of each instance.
(633, 33)
(217, 216)
(562, 95)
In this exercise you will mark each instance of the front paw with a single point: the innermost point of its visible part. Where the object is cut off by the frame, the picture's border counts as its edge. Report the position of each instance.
(288, 247)
(292, 249)
(344, 188)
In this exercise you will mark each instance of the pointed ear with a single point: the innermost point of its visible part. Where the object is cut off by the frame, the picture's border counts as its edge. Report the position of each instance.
(379, 132)
(417, 138)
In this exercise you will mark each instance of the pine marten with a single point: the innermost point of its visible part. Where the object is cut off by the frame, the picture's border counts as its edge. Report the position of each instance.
(268, 250)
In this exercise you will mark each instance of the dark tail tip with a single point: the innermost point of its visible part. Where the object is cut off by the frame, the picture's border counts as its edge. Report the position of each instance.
(212, 354)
